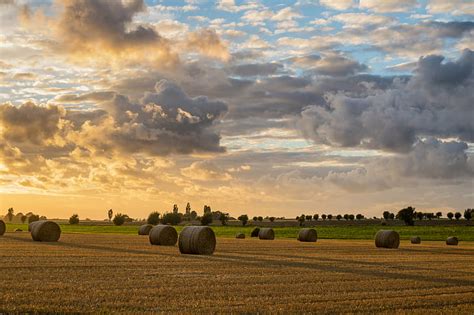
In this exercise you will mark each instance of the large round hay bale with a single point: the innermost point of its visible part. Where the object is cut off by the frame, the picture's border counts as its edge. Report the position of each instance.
(415, 240)
(266, 234)
(240, 235)
(452, 240)
(199, 240)
(387, 239)
(30, 226)
(255, 232)
(145, 229)
(308, 235)
(45, 231)
(3, 227)
(164, 235)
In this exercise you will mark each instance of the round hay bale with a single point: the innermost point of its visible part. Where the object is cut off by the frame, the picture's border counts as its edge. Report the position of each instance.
(198, 240)
(145, 229)
(415, 240)
(3, 227)
(240, 235)
(308, 235)
(266, 234)
(45, 231)
(30, 226)
(164, 235)
(452, 240)
(387, 239)
(255, 232)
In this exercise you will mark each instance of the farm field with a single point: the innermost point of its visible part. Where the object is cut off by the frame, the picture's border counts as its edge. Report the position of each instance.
(113, 272)
(431, 233)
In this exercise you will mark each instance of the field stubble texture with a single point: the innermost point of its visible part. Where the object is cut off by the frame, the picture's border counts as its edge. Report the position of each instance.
(105, 273)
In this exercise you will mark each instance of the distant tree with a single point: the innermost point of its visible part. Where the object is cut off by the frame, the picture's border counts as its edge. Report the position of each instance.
(223, 217)
(323, 217)
(171, 218)
(74, 219)
(419, 215)
(392, 216)
(23, 218)
(207, 209)
(430, 215)
(338, 217)
(206, 218)
(346, 217)
(255, 219)
(272, 219)
(351, 217)
(33, 218)
(359, 216)
(301, 219)
(43, 217)
(260, 218)
(450, 215)
(309, 217)
(458, 215)
(329, 216)
(120, 219)
(439, 214)
(386, 215)
(153, 218)
(244, 219)
(10, 214)
(110, 214)
(316, 217)
(188, 209)
(193, 215)
(468, 214)
(406, 215)
(175, 209)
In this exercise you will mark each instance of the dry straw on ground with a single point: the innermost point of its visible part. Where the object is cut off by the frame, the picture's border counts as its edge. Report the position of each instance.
(415, 240)
(199, 240)
(387, 239)
(2, 227)
(240, 235)
(266, 234)
(255, 232)
(164, 235)
(45, 231)
(452, 240)
(308, 235)
(145, 229)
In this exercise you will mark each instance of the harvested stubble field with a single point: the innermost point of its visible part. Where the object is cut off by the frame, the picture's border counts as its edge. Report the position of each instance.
(94, 273)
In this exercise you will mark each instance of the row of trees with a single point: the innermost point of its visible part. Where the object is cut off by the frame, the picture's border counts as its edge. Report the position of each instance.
(387, 215)
(29, 217)
(409, 214)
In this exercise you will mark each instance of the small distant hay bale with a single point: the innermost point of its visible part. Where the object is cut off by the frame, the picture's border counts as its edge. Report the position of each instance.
(163, 235)
(3, 227)
(387, 239)
(452, 240)
(45, 231)
(145, 229)
(198, 240)
(415, 240)
(18, 230)
(255, 232)
(308, 235)
(240, 235)
(266, 234)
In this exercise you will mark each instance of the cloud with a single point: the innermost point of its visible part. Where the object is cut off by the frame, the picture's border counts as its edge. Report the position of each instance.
(454, 7)
(388, 5)
(29, 123)
(433, 103)
(337, 4)
(208, 43)
(206, 171)
(263, 69)
(330, 64)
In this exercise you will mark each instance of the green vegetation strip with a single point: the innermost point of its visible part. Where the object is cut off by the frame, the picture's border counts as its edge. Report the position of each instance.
(427, 233)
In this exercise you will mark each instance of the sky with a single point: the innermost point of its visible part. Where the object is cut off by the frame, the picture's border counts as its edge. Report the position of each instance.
(272, 108)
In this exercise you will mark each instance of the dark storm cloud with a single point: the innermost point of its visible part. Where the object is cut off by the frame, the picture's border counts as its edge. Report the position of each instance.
(393, 119)
(257, 69)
